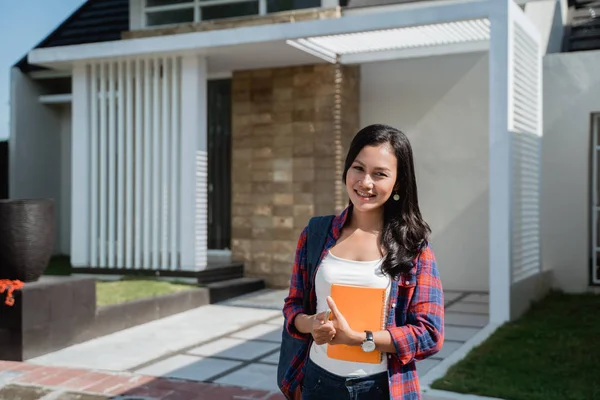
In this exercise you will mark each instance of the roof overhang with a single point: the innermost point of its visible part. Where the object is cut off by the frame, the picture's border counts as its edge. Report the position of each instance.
(360, 35)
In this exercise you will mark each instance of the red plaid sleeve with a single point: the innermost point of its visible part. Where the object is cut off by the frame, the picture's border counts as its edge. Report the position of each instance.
(423, 334)
(294, 301)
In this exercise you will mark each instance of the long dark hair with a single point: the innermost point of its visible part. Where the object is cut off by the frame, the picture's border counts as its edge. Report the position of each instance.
(405, 233)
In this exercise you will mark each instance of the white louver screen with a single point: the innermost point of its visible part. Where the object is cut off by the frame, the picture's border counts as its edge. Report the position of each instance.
(526, 147)
(397, 39)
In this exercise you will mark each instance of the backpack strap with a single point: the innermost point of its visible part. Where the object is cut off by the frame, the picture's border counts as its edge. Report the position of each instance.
(318, 230)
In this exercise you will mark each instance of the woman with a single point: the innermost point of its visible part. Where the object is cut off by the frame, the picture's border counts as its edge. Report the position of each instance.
(379, 241)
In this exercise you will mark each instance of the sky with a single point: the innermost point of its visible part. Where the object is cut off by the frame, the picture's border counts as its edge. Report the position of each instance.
(23, 24)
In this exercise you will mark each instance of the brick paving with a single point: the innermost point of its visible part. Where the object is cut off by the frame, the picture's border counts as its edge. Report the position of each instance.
(35, 382)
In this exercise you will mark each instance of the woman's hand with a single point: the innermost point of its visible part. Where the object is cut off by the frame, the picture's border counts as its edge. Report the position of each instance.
(343, 333)
(322, 331)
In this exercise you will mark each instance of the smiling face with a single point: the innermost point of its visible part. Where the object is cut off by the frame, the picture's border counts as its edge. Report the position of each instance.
(371, 177)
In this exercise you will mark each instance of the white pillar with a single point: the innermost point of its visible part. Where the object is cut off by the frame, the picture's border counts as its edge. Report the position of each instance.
(80, 157)
(13, 165)
(194, 166)
(500, 159)
(330, 3)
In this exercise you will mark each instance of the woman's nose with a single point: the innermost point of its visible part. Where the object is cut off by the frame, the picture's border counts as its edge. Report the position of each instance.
(368, 182)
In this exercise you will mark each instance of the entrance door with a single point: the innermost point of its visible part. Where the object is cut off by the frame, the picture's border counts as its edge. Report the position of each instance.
(219, 164)
(595, 247)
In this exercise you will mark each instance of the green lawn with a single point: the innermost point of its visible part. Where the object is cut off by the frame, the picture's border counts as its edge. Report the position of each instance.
(551, 353)
(116, 292)
(128, 289)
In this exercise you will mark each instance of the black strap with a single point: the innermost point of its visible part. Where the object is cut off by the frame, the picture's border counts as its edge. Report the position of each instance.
(318, 230)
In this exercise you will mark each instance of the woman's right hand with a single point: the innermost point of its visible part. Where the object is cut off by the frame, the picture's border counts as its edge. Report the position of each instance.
(322, 331)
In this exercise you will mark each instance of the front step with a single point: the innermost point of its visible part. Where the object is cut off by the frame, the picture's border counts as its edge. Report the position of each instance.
(222, 272)
(227, 289)
(213, 272)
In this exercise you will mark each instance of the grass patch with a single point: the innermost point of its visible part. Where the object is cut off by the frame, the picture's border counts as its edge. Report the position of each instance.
(552, 352)
(128, 289)
(116, 292)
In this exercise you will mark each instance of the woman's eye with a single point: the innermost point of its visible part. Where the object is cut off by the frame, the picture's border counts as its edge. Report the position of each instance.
(358, 168)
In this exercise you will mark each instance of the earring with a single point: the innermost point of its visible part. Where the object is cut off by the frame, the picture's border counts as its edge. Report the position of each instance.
(396, 197)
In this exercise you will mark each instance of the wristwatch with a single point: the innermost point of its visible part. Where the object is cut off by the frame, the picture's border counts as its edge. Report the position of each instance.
(368, 345)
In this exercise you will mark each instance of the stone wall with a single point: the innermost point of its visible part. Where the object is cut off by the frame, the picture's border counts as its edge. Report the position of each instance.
(237, 22)
(290, 130)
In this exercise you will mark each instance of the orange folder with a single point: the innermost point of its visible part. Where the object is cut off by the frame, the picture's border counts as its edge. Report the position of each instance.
(364, 309)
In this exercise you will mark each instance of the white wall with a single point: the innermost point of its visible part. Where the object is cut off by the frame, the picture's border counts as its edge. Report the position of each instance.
(441, 103)
(35, 146)
(549, 17)
(571, 94)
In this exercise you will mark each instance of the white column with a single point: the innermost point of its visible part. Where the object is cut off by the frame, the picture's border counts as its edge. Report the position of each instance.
(136, 14)
(500, 160)
(80, 156)
(193, 164)
(330, 3)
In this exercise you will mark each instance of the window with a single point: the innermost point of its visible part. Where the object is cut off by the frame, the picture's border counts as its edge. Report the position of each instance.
(170, 12)
(286, 5)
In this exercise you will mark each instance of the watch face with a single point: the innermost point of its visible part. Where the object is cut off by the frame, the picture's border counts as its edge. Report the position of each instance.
(368, 346)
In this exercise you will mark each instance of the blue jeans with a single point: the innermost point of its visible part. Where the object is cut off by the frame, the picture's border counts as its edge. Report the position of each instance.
(320, 384)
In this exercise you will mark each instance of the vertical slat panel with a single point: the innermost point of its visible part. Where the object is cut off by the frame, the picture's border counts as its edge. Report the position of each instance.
(135, 136)
(526, 134)
(121, 196)
(164, 187)
(156, 163)
(147, 162)
(102, 165)
(138, 143)
(129, 160)
(111, 164)
(201, 208)
(94, 215)
(174, 179)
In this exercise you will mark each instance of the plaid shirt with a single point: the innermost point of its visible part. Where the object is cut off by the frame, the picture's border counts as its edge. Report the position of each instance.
(415, 319)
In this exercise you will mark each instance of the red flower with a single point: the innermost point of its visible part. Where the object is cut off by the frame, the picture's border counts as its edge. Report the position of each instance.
(9, 286)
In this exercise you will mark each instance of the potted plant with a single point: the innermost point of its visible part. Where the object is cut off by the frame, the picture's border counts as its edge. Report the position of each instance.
(27, 231)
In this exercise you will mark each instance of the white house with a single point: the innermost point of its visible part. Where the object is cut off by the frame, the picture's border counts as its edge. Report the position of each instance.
(170, 132)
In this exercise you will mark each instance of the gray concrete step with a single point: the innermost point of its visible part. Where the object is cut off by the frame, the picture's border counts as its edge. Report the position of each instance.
(227, 289)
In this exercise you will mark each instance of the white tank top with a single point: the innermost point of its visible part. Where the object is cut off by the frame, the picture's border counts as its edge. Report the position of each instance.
(346, 272)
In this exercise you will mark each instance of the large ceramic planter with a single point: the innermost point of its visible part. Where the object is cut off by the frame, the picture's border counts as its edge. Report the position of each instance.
(26, 238)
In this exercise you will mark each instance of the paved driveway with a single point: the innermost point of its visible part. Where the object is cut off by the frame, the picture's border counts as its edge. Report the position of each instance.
(233, 343)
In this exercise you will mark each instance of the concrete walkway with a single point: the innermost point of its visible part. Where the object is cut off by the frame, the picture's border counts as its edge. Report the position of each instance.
(233, 343)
